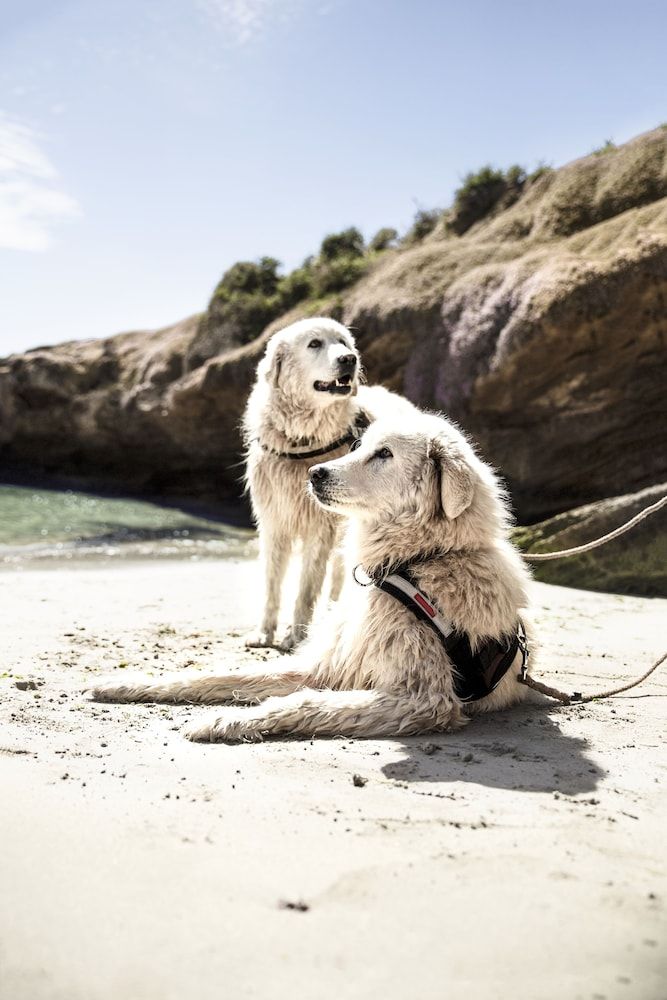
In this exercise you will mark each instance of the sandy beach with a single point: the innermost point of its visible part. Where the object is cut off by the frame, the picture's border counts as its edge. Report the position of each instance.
(524, 857)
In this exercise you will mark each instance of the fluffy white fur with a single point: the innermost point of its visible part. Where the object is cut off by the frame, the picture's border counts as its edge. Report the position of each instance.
(287, 413)
(371, 668)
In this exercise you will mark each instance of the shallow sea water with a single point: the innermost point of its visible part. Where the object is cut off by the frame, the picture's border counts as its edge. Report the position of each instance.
(44, 525)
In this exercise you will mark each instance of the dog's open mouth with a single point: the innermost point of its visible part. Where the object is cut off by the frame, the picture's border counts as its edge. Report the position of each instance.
(340, 386)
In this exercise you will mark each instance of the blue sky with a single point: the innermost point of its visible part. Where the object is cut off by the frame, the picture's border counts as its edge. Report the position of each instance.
(145, 145)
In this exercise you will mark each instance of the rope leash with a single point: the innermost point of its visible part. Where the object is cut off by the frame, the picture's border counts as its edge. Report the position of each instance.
(577, 698)
(588, 546)
(580, 699)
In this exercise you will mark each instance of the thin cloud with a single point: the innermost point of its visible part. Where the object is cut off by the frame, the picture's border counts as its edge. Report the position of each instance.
(241, 21)
(31, 201)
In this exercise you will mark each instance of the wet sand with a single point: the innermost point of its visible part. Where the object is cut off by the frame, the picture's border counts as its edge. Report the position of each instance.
(524, 857)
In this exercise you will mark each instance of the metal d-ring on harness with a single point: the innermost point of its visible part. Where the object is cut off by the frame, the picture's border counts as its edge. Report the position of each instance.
(477, 672)
(361, 422)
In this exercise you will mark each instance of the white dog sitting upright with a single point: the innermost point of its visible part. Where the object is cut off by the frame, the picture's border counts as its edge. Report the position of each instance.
(306, 407)
(433, 635)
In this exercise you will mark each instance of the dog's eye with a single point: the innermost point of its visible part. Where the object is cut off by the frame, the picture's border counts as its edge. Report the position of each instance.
(315, 345)
(355, 444)
(383, 453)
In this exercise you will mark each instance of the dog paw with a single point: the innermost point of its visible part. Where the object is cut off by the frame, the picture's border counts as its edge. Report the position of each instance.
(106, 692)
(221, 729)
(197, 732)
(260, 640)
(293, 637)
(131, 691)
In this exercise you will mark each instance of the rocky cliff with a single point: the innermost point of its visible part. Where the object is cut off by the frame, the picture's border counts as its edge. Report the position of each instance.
(541, 329)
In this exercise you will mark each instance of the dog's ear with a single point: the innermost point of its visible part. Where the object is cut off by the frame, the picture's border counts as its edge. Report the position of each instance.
(457, 485)
(456, 488)
(273, 362)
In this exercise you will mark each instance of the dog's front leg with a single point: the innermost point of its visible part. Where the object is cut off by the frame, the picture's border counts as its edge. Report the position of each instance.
(313, 570)
(327, 713)
(238, 687)
(276, 547)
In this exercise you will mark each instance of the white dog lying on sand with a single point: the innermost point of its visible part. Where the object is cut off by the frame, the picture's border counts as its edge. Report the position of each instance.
(428, 527)
(306, 407)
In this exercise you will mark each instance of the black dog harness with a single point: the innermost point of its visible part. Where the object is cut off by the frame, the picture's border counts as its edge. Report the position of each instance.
(361, 422)
(477, 673)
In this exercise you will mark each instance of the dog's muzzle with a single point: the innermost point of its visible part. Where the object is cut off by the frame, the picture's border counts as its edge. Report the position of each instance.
(318, 476)
(320, 483)
(341, 385)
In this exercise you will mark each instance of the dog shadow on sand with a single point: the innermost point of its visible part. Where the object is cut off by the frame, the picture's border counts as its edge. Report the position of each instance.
(523, 749)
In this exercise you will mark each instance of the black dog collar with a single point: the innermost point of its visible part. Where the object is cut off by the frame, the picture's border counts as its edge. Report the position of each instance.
(361, 422)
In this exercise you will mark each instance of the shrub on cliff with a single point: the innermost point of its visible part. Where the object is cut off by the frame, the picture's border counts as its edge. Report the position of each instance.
(297, 285)
(424, 222)
(248, 277)
(541, 170)
(483, 191)
(346, 243)
(607, 147)
(246, 299)
(340, 263)
(383, 239)
(335, 275)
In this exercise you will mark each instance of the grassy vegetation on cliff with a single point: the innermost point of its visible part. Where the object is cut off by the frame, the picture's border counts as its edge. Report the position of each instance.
(510, 205)
(251, 294)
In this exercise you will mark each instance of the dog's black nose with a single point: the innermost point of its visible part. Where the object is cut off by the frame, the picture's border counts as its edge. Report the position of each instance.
(318, 474)
(347, 362)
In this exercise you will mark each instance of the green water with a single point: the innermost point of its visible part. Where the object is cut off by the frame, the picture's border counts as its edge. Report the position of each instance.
(43, 524)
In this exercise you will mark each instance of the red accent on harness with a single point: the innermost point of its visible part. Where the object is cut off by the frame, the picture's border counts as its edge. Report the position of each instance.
(424, 604)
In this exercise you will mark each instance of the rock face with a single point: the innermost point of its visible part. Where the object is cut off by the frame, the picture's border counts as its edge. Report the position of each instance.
(542, 330)
(634, 563)
(122, 412)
